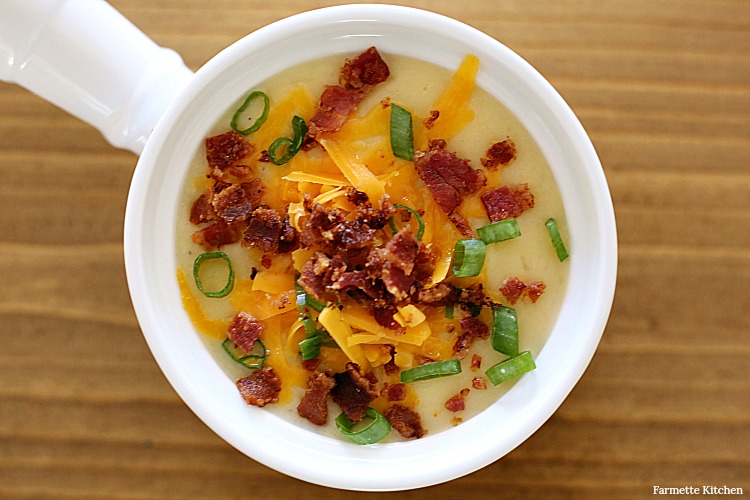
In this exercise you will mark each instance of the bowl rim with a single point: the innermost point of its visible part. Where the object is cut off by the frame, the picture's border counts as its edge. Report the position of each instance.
(294, 450)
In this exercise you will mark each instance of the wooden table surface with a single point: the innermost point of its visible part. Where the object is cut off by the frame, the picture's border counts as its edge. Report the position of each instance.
(662, 86)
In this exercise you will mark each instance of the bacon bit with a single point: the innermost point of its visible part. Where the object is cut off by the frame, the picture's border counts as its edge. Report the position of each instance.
(405, 421)
(456, 421)
(514, 289)
(394, 392)
(260, 388)
(364, 71)
(263, 230)
(356, 79)
(356, 197)
(236, 202)
(225, 150)
(353, 392)
(457, 403)
(507, 203)
(429, 122)
(449, 178)
(202, 210)
(217, 234)
(499, 154)
(476, 362)
(441, 294)
(479, 383)
(244, 331)
(475, 327)
(534, 290)
(314, 404)
(311, 364)
(462, 344)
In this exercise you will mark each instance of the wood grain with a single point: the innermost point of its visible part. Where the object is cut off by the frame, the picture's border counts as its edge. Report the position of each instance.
(662, 86)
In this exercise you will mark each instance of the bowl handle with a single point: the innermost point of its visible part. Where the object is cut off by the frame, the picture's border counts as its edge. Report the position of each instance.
(86, 58)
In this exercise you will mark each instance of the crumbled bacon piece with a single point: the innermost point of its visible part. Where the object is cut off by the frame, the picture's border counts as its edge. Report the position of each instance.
(353, 392)
(429, 122)
(336, 103)
(384, 317)
(457, 402)
(449, 178)
(499, 154)
(534, 290)
(394, 392)
(405, 421)
(514, 289)
(357, 77)
(217, 234)
(476, 362)
(475, 327)
(462, 344)
(507, 203)
(244, 331)
(236, 202)
(314, 404)
(225, 150)
(363, 71)
(441, 294)
(202, 210)
(264, 230)
(260, 388)
(479, 383)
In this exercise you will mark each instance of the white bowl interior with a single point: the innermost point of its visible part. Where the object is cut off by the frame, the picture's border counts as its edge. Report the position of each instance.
(150, 250)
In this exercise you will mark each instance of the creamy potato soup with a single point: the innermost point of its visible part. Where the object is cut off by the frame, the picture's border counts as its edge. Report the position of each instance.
(370, 246)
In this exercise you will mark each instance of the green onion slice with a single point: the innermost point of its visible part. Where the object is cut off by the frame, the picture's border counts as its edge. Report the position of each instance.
(449, 311)
(505, 330)
(306, 300)
(402, 134)
(230, 276)
(299, 127)
(256, 94)
(432, 370)
(309, 348)
(253, 360)
(468, 258)
(420, 222)
(499, 231)
(557, 242)
(511, 368)
(377, 429)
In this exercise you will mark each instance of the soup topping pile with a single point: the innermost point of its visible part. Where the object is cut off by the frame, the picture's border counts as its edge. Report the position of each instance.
(366, 276)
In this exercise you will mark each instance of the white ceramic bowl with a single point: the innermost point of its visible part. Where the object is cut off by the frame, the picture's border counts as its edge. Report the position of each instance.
(212, 395)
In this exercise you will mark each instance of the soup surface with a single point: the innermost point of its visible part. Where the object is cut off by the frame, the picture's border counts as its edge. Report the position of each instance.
(345, 253)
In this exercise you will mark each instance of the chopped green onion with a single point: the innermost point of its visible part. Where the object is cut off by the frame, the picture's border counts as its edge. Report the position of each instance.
(449, 311)
(253, 360)
(310, 347)
(557, 242)
(431, 370)
(196, 274)
(505, 330)
(299, 127)
(376, 430)
(511, 368)
(306, 300)
(499, 231)
(468, 258)
(258, 121)
(402, 135)
(420, 222)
